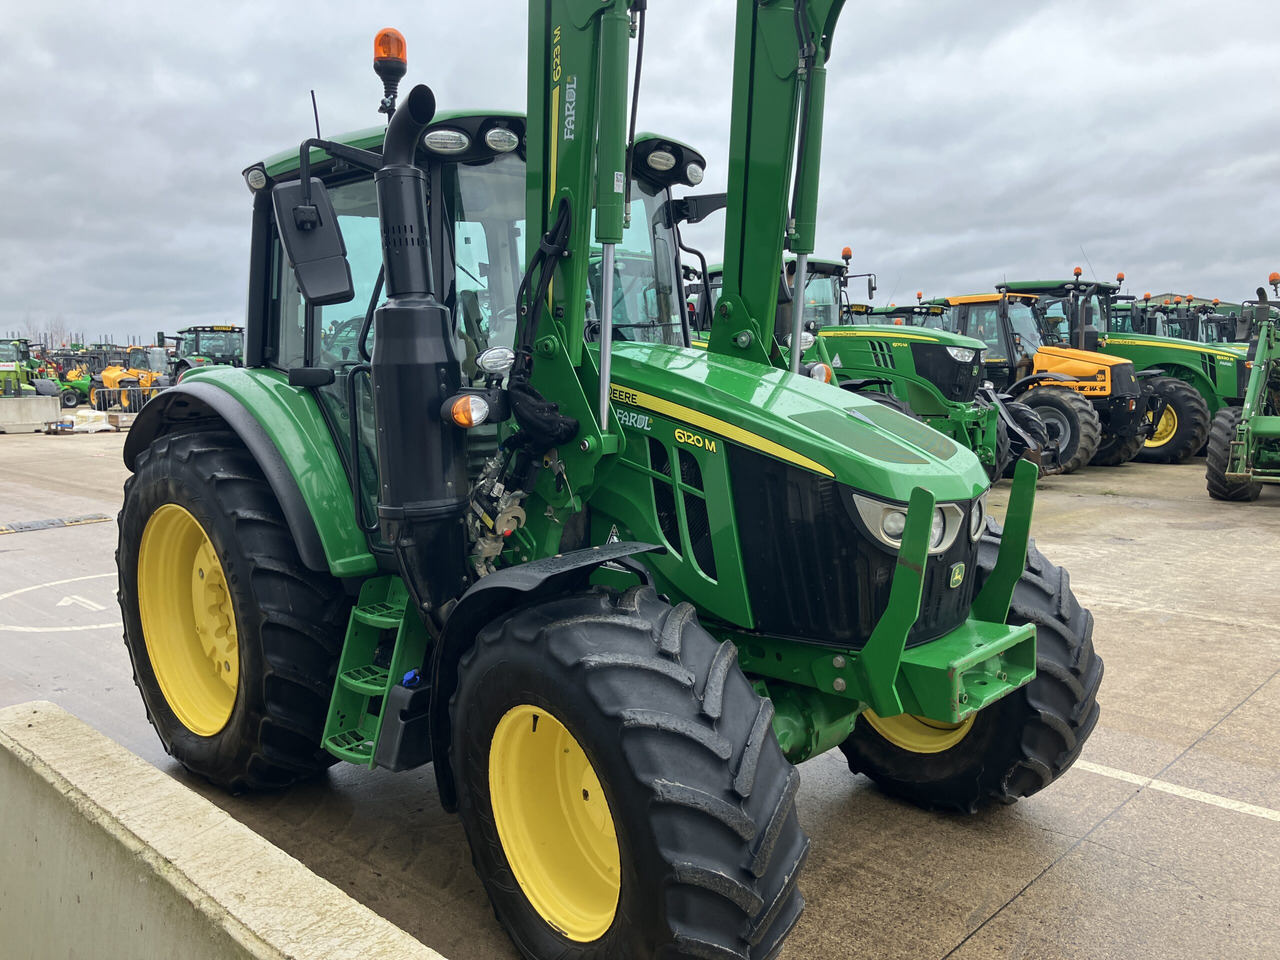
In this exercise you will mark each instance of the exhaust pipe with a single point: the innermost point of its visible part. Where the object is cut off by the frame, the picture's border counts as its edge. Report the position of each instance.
(422, 475)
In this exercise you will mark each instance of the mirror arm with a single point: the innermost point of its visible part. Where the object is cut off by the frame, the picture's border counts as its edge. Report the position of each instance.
(305, 216)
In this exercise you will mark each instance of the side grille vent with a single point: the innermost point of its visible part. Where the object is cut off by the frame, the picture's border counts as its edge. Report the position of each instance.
(881, 354)
(664, 496)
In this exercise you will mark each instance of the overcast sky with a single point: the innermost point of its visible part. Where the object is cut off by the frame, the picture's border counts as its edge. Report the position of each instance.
(964, 141)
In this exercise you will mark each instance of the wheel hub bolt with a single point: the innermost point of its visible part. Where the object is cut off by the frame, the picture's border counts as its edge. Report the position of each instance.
(838, 685)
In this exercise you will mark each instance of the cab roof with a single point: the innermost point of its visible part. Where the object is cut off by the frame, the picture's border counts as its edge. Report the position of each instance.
(1058, 288)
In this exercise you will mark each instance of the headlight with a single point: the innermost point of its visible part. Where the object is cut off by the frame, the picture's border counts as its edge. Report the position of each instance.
(694, 173)
(893, 523)
(963, 354)
(806, 340)
(502, 140)
(447, 141)
(662, 160)
(938, 530)
(888, 521)
(978, 517)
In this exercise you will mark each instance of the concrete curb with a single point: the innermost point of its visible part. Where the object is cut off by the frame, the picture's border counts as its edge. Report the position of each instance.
(103, 855)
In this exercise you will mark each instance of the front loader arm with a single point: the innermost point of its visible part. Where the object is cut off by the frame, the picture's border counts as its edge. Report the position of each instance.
(576, 160)
(779, 83)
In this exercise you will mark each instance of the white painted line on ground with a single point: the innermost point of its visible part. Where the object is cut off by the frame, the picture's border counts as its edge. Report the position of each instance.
(15, 628)
(1226, 803)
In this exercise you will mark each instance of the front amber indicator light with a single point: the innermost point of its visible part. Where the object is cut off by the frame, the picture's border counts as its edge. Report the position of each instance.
(389, 45)
(469, 411)
(821, 372)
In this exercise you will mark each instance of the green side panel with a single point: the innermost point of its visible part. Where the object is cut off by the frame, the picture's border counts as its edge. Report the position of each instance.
(292, 419)
(1210, 368)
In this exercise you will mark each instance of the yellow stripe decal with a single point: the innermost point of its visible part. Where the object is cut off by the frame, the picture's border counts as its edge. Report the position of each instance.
(666, 408)
(555, 151)
(1175, 346)
(698, 343)
(878, 334)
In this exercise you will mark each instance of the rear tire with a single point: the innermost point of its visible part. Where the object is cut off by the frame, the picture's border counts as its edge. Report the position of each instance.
(1116, 451)
(290, 621)
(1022, 742)
(701, 799)
(1071, 420)
(1004, 457)
(1221, 433)
(1183, 426)
(70, 399)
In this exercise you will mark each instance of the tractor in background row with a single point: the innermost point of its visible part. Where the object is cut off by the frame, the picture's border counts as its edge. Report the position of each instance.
(1244, 441)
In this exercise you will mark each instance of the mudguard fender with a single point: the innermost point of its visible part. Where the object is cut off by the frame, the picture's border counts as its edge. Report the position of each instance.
(489, 599)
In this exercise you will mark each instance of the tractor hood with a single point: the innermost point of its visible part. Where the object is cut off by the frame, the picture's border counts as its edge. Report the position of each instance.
(903, 332)
(815, 426)
(1221, 350)
(1081, 356)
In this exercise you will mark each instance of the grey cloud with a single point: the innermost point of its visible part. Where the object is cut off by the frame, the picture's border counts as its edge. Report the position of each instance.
(964, 142)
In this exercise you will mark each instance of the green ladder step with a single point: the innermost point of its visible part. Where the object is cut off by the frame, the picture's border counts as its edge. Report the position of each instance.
(384, 616)
(350, 745)
(369, 680)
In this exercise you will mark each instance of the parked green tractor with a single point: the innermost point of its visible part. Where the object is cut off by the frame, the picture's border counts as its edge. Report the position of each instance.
(1244, 442)
(923, 375)
(202, 345)
(612, 588)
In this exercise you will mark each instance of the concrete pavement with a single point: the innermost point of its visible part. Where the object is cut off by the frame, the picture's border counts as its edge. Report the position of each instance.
(1164, 842)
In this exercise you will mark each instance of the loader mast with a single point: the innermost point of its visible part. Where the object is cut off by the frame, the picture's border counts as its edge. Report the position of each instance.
(775, 143)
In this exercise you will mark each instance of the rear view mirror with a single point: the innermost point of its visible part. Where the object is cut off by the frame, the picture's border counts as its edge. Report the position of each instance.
(313, 242)
(871, 288)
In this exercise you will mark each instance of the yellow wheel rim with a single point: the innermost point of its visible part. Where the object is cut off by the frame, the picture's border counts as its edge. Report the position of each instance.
(919, 734)
(1165, 429)
(187, 620)
(554, 823)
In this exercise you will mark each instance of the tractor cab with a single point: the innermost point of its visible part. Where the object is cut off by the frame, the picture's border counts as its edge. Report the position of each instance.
(1007, 325)
(197, 346)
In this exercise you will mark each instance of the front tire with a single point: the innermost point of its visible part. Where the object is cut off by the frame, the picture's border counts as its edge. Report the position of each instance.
(1183, 426)
(70, 399)
(1031, 424)
(1218, 459)
(1022, 742)
(692, 847)
(1070, 420)
(234, 642)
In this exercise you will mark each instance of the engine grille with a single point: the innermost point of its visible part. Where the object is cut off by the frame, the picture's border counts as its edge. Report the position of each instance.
(815, 574)
(957, 381)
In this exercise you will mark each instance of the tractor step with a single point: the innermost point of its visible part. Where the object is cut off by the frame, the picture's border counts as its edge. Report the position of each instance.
(970, 668)
(367, 673)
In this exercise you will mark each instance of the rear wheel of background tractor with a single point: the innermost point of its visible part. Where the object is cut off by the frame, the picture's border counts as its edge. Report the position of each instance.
(1222, 432)
(1031, 424)
(99, 398)
(1022, 742)
(1183, 426)
(1116, 451)
(621, 786)
(1070, 420)
(234, 641)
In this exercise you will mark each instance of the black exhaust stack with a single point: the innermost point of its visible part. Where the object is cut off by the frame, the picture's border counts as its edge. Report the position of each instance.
(422, 493)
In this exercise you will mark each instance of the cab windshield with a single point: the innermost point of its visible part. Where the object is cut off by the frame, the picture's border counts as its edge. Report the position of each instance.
(8, 352)
(822, 299)
(648, 302)
(217, 343)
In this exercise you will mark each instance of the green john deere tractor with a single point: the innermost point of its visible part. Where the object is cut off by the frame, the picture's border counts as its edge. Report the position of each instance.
(1244, 441)
(200, 346)
(612, 588)
(923, 375)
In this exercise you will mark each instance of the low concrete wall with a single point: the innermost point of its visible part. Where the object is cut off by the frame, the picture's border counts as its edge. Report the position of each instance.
(27, 414)
(104, 856)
